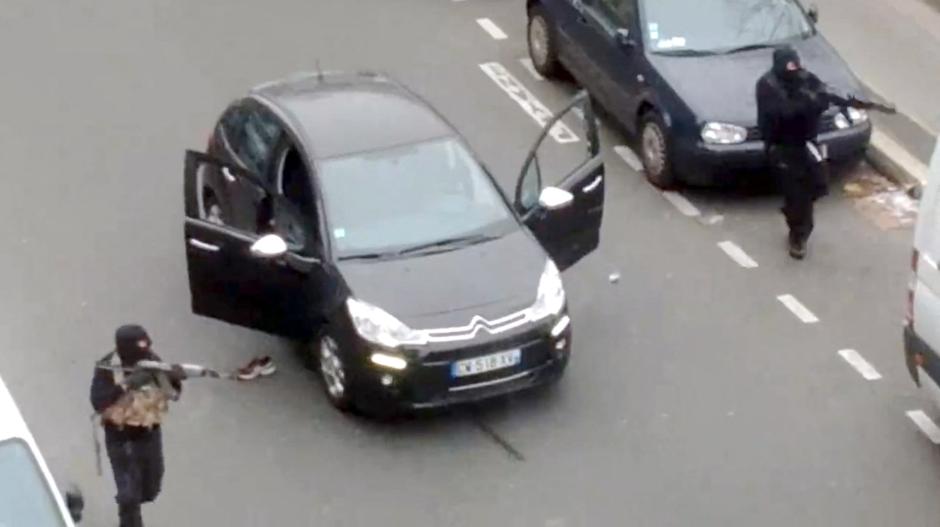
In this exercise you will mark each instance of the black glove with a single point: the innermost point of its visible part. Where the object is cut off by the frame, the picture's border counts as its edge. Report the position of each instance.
(177, 373)
(138, 379)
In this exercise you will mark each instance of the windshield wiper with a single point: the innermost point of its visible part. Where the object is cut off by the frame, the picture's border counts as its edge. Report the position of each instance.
(367, 256)
(749, 47)
(449, 243)
(686, 53)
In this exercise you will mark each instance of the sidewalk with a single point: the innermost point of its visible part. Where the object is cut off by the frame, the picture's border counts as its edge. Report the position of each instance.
(894, 47)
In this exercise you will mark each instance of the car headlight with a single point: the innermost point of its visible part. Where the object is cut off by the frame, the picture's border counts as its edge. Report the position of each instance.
(379, 327)
(857, 116)
(550, 299)
(723, 134)
(841, 121)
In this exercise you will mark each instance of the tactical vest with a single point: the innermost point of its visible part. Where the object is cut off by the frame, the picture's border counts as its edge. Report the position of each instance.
(144, 407)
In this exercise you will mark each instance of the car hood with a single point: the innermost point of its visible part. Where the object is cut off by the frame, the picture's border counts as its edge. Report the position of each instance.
(448, 289)
(722, 87)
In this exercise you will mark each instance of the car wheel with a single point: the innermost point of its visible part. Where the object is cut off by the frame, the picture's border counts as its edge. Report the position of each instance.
(332, 371)
(542, 44)
(654, 145)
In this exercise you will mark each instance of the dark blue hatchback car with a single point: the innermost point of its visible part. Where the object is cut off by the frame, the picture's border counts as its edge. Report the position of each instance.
(680, 74)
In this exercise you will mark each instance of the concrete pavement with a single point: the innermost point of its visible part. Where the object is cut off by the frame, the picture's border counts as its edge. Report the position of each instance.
(695, 397)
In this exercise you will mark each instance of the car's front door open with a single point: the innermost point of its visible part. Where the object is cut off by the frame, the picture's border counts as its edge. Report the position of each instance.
(227, 281)
(565, 213)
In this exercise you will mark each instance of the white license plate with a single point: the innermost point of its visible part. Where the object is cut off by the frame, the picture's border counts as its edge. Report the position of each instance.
(478, 365)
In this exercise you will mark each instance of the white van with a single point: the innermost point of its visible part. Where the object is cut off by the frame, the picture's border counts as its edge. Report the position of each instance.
(922, 322)
(28, 494)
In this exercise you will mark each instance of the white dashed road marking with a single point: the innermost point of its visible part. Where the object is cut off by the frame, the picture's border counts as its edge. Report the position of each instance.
(532, 106)
(799, 310)
(680, 202)
(926, 425)
(737, 254)
(860, 364)
(527, 64)
(629, 158)
(490, 27)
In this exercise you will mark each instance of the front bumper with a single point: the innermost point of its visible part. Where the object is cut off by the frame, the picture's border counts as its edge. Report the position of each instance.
(705, 164)
(427, 382)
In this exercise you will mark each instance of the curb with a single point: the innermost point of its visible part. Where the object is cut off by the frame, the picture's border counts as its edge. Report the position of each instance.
(897, 164)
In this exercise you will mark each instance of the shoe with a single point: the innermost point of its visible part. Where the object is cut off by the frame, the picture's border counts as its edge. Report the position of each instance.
(266, 366)
(249, 371)
(797, 249)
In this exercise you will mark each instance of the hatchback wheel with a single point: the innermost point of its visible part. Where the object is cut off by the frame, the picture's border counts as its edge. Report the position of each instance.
(543, 49)
(654, 145)
(332, 372)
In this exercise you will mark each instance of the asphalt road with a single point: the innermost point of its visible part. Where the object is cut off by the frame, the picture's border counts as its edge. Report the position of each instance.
(694, 398)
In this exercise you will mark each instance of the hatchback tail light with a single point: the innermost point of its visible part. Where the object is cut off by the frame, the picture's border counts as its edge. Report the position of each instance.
(911, 288)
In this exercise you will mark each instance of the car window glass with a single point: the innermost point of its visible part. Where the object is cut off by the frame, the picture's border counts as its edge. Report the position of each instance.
(621, 12)
(410, 195)
(261, 132)
(25, 496)
(720, 25)
(295, 185)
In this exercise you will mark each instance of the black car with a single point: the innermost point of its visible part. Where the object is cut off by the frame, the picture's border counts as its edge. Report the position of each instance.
(343, 211)
(681, 75)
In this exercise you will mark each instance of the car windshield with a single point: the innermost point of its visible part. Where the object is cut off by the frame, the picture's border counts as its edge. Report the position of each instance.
(25, 497)
(718, 26)
(388, 201)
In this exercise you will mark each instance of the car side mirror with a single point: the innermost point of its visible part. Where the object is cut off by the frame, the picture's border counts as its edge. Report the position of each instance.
(624, 38)
(269, 247)
(554, 198)
(75, 503)
(813, 13)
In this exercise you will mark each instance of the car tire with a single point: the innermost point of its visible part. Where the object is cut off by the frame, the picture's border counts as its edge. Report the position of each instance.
(542, 43)
(322, 353)
(655, 151)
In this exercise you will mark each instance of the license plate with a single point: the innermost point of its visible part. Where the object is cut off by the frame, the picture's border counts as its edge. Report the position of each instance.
(478, 365)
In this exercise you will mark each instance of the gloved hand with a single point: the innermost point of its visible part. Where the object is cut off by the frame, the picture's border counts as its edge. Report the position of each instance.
(177, 373)
(138, 379)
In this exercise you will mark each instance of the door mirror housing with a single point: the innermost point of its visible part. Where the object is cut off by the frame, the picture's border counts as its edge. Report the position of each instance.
(813, 13)
(554, 198)
(269, 247)
(624, 38)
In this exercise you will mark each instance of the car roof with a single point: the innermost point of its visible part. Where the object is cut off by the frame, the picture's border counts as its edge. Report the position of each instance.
(338, 114)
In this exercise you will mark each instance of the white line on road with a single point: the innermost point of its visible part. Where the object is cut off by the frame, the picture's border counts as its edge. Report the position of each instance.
(737, 254)
(532, 106)
(527, 64)
(490, 27)
(680, 202)
(629, 158)
(926, 425)
(805, 315)
(861, 365)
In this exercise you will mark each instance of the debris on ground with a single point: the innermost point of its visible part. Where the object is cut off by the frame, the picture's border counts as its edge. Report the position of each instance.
(886, 204)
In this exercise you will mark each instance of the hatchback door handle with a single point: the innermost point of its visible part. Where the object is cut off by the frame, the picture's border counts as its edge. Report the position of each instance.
(203, 246)
(593, 185)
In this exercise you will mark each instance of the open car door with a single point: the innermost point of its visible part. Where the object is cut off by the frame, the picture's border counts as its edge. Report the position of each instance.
(239, 272)
(565, 214)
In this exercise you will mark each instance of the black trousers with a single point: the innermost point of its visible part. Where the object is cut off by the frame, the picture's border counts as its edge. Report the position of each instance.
(137, 462)
(801, 180)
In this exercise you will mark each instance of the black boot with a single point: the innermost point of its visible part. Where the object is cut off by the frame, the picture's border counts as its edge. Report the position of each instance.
(797, 247)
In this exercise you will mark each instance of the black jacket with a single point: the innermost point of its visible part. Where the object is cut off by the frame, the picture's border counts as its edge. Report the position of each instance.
(789, 113)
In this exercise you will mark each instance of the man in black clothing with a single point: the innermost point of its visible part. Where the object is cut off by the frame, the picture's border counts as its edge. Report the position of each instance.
(132, 404)
(790, 103)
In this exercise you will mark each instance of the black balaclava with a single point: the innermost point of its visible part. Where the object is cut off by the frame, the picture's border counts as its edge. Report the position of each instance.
(782, 57)
(133, 343)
